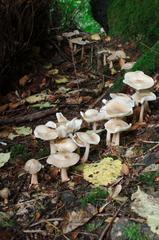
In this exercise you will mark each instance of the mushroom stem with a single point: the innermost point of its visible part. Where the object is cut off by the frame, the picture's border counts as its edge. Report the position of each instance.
(86, 154)
(147, 107)
(64, 175)
(34, 179)
(108, 138)
(52, 147)
(141, 117)
(116, 139)
(95, 126)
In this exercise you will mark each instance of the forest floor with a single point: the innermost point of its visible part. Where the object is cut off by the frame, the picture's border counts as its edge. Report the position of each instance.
(70, 82)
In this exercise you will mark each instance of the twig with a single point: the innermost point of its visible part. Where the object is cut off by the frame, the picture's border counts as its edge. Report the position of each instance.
(34, 231)
(150, 150)
(98, 99)
(46, 220)
(106, 229)
(27, 118)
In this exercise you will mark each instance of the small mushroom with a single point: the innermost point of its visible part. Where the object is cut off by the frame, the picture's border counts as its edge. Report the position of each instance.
(33, 166)
(4, 193)
(85, 139)
(65, 145)
(63, 161)
(92, 116)
(143, 97)
(115, 126)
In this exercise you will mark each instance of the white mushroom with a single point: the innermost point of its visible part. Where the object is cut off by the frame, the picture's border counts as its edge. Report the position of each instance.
(4, 193)
(138, 80)
(124, 97)
(92, 116)
(115, 126)
(63, 161)
(143, 97)
(65, 145)
(117, 107)
(45, 133)
(84, 139)
(33, 166)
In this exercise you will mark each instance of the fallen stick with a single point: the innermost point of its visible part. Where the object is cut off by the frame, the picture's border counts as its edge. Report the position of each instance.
(27, 118)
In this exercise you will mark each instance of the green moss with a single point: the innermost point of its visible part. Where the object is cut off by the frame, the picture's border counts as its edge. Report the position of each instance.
(96, 196)
(133, 232)
(133, 19)
(19, 150)
(149, 178)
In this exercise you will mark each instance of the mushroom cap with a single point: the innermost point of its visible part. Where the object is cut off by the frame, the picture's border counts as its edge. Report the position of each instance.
(63, 160)
(115, 55)
(138, 80)
(142, 96)
(88, 137)
(73, 125)
(92, 115)
(78, 141)
(128, 66)
(123, 96)
(117, 107)
(45, 133)
(32, 166)
(116, 125)
(60, 118)
(65, 145)
(4, 193)
(51, 124)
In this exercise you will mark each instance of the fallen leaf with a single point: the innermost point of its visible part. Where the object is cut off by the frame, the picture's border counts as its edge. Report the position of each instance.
(95, 37)
(78, 218)
(39, 97)
(116, 191)
(20, 131)
(42, 105)
(146, 206)
(4, 107)
(15, 105)
(125, 169)
(152, 168)
(4, 158)
(53, 71)
(24, 80)
(103, 173)
(61, 79)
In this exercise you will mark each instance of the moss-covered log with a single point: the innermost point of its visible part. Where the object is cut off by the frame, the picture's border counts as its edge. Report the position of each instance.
(134, 20)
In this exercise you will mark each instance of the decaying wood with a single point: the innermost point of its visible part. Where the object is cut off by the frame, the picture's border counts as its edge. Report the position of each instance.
(27, 118)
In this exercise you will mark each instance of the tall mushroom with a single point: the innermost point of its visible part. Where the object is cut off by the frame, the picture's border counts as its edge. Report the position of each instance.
(143, 97)
(63, 160)
(48, 134)
(140, 82)
(65, 145)
(115, 126)
(85, 139)
(33, 166)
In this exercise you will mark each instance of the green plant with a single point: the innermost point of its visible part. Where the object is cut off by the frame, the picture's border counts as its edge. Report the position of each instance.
(96, 197)
(19, 149)
(148, 178)
(92, 226)
(133, 232)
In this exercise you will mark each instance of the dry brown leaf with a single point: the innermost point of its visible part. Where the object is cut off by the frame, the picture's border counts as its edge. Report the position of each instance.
(4, 107)
(24, 80)
(15, 105)
(78, 218)
(5, 133)
(116, 191)
(125, 169)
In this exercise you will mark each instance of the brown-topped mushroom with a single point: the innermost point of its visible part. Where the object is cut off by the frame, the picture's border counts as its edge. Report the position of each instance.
(4, 193)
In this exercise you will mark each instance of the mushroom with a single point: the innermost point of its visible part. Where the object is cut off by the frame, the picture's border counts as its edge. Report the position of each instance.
(63, 160)
(138, 80)
(33, 166)
(115, 126)
(4, 193)
(117, 107)
(116, 55)
(92, 116)
(123, 96)
(143, 97)
(84, 139)
(65, 145)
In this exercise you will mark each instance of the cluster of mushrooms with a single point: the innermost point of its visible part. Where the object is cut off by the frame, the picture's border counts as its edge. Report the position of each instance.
(64, 136)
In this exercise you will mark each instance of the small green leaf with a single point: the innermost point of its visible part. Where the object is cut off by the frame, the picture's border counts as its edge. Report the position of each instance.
(4, 158)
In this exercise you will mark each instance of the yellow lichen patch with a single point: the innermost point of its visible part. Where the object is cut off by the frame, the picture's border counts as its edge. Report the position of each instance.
(103, 173)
